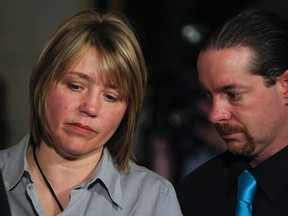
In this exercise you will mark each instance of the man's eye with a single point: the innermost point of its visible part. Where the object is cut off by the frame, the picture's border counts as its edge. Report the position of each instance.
(234, 95)
(206, 96)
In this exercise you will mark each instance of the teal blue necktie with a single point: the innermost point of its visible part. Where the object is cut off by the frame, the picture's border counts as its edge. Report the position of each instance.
(247, 186)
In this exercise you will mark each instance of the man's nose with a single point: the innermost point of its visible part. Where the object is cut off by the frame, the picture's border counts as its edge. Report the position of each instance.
(219, 111)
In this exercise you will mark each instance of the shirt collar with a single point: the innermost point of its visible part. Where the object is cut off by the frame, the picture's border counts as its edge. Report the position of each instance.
(109, 175)
(271, 175)
(17, 163)
(106, 171)
(236, 165)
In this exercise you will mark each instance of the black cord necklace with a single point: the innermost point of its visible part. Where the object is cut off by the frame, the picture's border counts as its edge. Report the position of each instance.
(47, 182)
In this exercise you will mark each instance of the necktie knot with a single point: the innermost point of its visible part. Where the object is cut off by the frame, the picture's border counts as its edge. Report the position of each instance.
(247, 186)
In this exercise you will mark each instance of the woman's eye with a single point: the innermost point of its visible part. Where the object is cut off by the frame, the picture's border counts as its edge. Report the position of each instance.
(74, 87)
(111, 98)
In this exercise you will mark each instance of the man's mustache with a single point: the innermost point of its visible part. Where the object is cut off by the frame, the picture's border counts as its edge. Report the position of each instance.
(224, 129)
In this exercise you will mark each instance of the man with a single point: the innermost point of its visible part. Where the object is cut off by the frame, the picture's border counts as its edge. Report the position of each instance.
(243, 69)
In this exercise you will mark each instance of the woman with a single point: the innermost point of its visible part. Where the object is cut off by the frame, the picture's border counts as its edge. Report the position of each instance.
(86, 91)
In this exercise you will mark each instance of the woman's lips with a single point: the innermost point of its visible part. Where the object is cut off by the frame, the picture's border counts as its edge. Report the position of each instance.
(82, 128)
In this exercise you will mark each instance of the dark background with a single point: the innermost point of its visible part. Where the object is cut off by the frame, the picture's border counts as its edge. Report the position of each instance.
(174, 135)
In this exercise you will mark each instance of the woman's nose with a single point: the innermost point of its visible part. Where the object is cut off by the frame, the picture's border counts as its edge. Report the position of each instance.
(91, 105)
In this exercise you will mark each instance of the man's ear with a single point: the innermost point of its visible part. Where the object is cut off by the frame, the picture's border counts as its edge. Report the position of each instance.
(283, 79)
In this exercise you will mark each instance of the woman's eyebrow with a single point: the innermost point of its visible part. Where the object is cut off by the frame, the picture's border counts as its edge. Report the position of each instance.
(79, 74)
(88, 78)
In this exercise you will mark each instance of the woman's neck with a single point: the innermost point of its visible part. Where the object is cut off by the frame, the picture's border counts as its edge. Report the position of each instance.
(60, 168)
(62, 174)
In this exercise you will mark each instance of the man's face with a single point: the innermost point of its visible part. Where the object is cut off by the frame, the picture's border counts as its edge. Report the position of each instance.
(247, 114)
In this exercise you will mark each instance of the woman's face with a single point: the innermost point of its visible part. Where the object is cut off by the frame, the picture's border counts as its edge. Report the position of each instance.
(83, 112)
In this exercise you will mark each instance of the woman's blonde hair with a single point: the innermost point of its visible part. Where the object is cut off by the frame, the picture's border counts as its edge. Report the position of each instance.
(121, 62)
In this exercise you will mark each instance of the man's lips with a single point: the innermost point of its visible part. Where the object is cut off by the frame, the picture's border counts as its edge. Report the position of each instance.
(230, 132)
(231, 135)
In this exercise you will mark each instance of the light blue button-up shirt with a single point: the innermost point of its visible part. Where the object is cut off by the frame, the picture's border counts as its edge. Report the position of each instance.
(140, 192)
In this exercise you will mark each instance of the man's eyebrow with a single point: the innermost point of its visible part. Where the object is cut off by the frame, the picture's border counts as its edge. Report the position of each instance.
(229, 87)
(224, 88)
